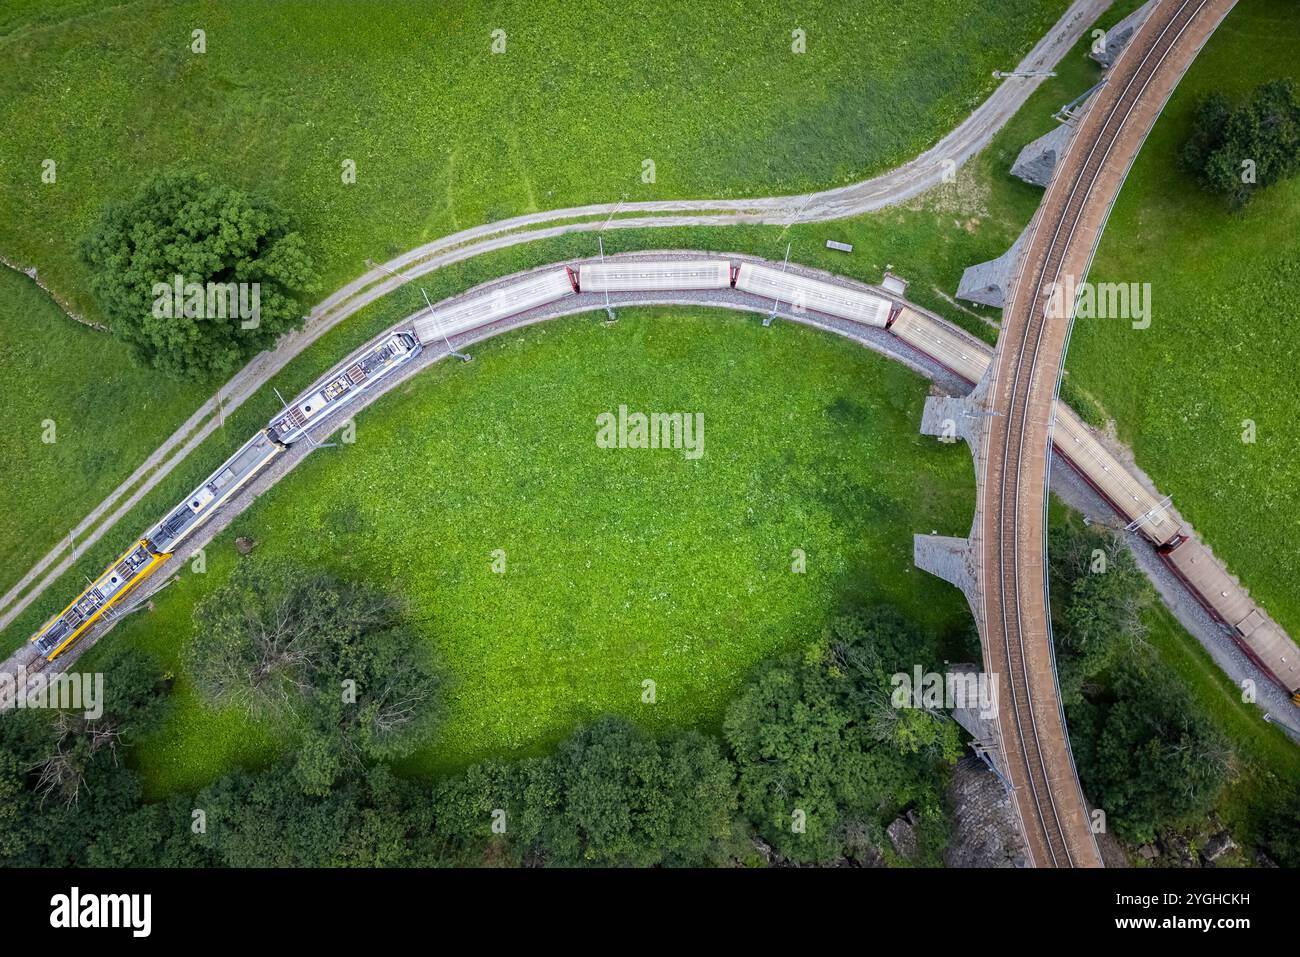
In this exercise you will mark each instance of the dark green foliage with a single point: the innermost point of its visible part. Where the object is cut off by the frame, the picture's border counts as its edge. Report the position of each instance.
(182, 224)
(65, 783)
(610, 796)
(265, 820)
(336, 658)
(808, 730)
(815, 742)
(1101, 595)
(1148, 754)
(1282, 831)
(1155, 758)
(1263, 131)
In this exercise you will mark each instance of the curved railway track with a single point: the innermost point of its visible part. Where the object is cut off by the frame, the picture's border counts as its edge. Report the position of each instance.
(889, 188)
(1017, 432)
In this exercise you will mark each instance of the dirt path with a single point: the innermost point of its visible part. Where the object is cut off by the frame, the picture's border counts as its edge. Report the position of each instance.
(890, 188)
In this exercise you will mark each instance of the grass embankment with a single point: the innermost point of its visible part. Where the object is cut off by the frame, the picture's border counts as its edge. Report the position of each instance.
(1221, 351)
(622, 565)
(77, 417)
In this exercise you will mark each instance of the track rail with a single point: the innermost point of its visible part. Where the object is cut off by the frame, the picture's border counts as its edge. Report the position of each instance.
(1018, 645)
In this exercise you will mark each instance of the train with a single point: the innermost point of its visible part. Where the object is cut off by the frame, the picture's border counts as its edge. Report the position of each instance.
(323, 400)
(1261, 638)
(964, 355)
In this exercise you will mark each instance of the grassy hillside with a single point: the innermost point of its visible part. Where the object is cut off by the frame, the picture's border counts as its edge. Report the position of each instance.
(107, 414)
(1222, 349)
(446, 134)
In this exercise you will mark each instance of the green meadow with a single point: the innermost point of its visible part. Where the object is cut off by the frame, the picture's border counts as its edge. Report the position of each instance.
(553, 577)
(1207, 394)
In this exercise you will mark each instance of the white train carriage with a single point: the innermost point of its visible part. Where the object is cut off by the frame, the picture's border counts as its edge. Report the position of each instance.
(965, 356)
(642, 276)
(1225, 599)
(801, 292)
(343, 384)
(481, 308)
(1103, 471)
(233, 474)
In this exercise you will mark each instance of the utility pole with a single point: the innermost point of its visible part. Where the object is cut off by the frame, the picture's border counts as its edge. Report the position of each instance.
(463, 357)
(776, 303)
(609, 310)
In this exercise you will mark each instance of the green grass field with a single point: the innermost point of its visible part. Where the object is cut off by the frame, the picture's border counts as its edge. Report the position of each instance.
(1221, 350)
(928, 241)
(445, 134)
(621, 564)
(107, 413)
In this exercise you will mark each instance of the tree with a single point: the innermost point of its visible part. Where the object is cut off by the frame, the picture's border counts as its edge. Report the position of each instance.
(132, 699)
(1233, 151)
(336, 659)
(1155, 757)
(610, 796)
(1098, 606)
(630, 801)
(264, 819)
(818, 775)
(196, 276)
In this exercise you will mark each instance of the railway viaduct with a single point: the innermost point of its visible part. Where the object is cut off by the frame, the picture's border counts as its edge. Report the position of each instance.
(1008, 423)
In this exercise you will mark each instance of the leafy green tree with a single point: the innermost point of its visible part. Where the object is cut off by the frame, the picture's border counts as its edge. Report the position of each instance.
(818, 776)
(630, 801)
(63, 784)
(610, 796)
(1155, 757)
(337, 659)
(151, 835)
(1100, 597)
(16, 806)
(264, 819)
(1234, 151)
(180, 225)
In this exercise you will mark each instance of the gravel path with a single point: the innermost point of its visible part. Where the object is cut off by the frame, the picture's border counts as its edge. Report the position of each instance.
(890, 188)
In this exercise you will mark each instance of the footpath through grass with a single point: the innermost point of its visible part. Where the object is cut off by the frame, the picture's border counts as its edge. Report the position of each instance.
(1222, 351)
(622, 565)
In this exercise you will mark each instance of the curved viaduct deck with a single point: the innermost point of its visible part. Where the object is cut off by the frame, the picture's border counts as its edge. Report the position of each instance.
(1016, 431)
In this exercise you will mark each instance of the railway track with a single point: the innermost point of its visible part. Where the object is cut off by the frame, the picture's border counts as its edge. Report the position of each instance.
(887, 189)
(1018, 644)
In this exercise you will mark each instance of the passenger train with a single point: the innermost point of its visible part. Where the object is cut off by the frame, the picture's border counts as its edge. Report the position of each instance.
(1260, 637)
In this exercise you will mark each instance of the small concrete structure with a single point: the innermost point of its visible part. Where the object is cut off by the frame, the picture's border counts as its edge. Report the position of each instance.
(1037, 161)
(1117, 37)
(893, 284)
(987, 283)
